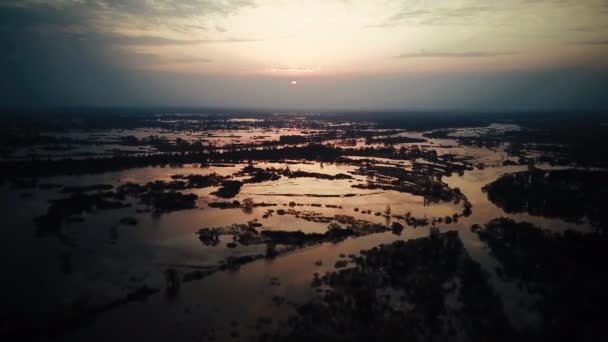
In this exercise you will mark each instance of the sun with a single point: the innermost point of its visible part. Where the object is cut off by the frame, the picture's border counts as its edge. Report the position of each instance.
(294, 82)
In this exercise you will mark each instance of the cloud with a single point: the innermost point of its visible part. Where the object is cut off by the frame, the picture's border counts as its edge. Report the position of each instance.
(79, 53)
(472, 12)
(111, 52)
(407, 14)
(466, 54)
(172, 8)
(591, 42)
(21, 16)
(117, 39)
(149, 58)
(80, 21)
(103, 15)
(293, 69)
(434, 15)
(139, 40)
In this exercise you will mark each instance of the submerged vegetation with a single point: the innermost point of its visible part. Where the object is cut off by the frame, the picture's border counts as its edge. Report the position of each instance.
(565, 269)
(402, 291)
(573, 195)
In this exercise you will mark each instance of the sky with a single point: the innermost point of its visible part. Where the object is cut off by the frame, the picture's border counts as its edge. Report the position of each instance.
(306, 54)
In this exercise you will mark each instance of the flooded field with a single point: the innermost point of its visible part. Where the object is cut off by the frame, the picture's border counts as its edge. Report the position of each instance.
(234, 228)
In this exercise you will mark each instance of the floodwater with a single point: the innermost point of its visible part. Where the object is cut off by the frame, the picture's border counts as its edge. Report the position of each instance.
(110, 260)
